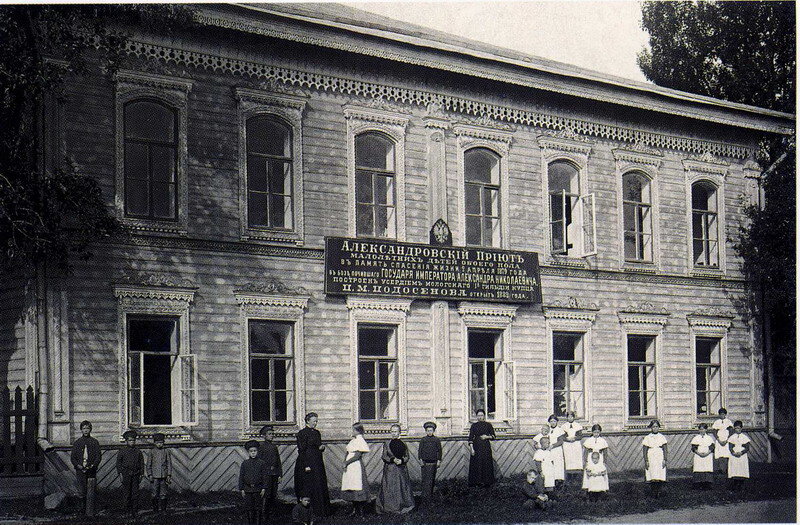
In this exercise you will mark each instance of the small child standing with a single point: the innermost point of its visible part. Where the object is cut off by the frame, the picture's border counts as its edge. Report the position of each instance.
(594, 443)
(543, 463)
(533, 490)
(703, 458)
(596, 475)
(302, 513)
(159, 472)
(85, 458)
(738, 464)
(268, 452)
(430, 455)
(573, 454)
(654, 449)
(130, 465)
(253, 482)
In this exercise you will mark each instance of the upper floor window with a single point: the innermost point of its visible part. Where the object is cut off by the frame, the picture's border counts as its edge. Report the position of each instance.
(151, 157)
(269, 173)
(375, 186)
(705, 234)
(572, 215)
(637, 217)
(482, 197)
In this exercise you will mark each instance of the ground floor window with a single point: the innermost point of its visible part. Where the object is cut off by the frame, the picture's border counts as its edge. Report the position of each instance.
(641, 376)
(485, 360)
(708, 375)
(568, 373)
(271, 371)
(378, 396)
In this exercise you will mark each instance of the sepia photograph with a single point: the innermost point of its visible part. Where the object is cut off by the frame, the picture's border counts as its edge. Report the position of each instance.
(356, 263)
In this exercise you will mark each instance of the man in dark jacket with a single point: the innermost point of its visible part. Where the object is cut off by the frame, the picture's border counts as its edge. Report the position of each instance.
(130, 465)
(85, 458)
(268, 452)
(252, 483)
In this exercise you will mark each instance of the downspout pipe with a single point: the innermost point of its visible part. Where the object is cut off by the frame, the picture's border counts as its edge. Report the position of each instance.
(42, 365)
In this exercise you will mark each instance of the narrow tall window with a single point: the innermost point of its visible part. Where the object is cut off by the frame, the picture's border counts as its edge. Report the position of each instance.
(269, 173)
(153, 344)
(641, 376)
(573, 228)
(151, 146)
(377, 373)
(637, 217)
(375, 186)
(568, 383)
(485, 361)
(482, 197)
(708, 375)
(271, 371)
(705, 246)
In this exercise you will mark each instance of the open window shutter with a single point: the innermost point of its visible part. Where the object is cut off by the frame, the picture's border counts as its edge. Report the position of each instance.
(135, 392)
(589, 225)
(510, 388)
(187, 370)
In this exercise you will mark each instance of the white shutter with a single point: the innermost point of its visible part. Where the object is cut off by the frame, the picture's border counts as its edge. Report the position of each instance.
(187, 372)
(588, 225)
(510, 390)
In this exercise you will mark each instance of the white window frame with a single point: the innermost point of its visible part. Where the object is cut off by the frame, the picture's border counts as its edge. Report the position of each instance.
(363, 120)
(650, 324)
(581, 411)
(498, 318)
(387, 312)
(499, 142)
(134, 301)
(709, 169)
(288, 109)
(709, 326)
(174, 93)
(646, 161)
(391, 357)
(279, 308)
(575, 317)
(575, 151)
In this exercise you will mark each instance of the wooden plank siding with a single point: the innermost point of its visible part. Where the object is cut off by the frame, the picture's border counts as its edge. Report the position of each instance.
(13, 360)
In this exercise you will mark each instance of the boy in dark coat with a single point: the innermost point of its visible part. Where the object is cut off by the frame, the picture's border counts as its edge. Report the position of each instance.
(130, 465)
(302, 514)
(253, 482)
(159, 472)
(533, 489)
(430, 455)
(268, 452)
(85, 458)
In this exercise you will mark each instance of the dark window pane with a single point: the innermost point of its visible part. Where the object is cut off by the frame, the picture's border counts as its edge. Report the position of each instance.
(146, 120)
(267, 136)
(281, 404)
(256, 173)
(702, 406)
(562, 176)
(269, 337)
(259, 374)
(277, 211)
(366, 375)
(386, 400)
(634, 382)
(634, 404)
(136, 197)
(700, 377)
(373, 341)
(366, 405)
(481, 165)
(482, 344)
(259, 406)
(135, 161)
(364, 187)
(637, 348)
(257, 209)
(560, 403)
(157, 390)
(163, 163)
(374, 151)
(559, 378)
(364, 220)
(473, 226)
(633, 187)
(384, 369)
(701, 196)
(631, 252)
(472, 198)
(705, 348)
(557, 231)
(152, 335)
(278, 182)
(163, 200)
(281, 372)
(564, 346)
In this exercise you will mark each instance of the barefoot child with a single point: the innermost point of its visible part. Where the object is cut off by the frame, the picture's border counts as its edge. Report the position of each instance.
(703, 458)
(596, 475)
(654, 450)
(738, 464)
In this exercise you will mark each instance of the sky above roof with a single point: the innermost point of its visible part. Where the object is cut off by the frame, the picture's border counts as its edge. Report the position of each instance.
(603, 35)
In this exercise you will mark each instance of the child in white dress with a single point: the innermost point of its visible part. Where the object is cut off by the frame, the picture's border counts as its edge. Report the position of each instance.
(537, 439)
(594, 443)
(597, 476)
(703, 458)
(654, 450)
(738, 464)
(557, 436)
(573, 453)
(543, 463)
(721, 429)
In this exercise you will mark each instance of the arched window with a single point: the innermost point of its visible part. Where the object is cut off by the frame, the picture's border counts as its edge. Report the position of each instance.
(151, 147)
(705, 235)
(375, 186)
(637, 217)
(269, 173)
(482, 197)
(564, 189)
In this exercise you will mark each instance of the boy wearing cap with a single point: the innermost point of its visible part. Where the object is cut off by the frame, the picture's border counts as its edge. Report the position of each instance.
(253, 482)
(159, 472)
(268, 452)
(430, 455)
(130, 465)
(85, 458)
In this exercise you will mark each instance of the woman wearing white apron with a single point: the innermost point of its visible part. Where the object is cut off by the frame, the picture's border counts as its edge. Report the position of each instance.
(355, 486)
(721, 430)
(573, 452)
(557, 436)
(703, 458)
(594, 443)
(654, 449)
(738, 464)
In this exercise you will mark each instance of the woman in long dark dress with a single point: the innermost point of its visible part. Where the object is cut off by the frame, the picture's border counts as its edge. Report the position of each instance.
(309, 471)
(395, 494)
(481, 464)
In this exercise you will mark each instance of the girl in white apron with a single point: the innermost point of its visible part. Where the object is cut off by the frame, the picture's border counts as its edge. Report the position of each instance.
(594, 443)
(654, 449)
(573, 452)
(556, 441)
(738, 464)
(721, 429)
(703, 458)
(355, 486)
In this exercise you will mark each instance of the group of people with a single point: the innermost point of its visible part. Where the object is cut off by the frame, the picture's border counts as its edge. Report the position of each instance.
(563, 456)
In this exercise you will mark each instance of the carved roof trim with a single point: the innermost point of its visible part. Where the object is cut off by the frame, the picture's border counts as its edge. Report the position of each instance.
(643, 318)
(651, 157)
(153, 80)
(380, 116)
(481, 132)
(565, 144)
(281, 301)
(706, 163)
(270, 99)
(158, 294)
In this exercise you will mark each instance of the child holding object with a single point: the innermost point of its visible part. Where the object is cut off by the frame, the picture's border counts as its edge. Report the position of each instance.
(533, 491)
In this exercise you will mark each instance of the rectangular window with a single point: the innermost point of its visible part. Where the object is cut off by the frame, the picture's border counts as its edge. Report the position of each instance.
(271, 372)
(485, 368)
(568, 379)
(641, 376)
(162, 382)
(377, 373)
(708, 375)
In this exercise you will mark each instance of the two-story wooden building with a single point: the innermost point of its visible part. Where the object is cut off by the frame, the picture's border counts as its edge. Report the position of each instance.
(234, 151)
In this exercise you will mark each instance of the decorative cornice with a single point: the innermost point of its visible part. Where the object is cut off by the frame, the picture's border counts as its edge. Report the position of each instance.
(317, 81)
(155, 294)
(713, 311)
(706, 163)
(645, 308)
(386, 305)
(270, 99)
(487, 315)
(275, 301)
(572, 303)
(566, 144)
(250, 248)
(571, 309)
(645, 318)
(145, 280)
(463, 130)
(650, 157)
(752, 170)
(153, 80)
(485, 121)
(270, 285)
(379, 116)
(710, 321)
(272, 85)
(435, 110)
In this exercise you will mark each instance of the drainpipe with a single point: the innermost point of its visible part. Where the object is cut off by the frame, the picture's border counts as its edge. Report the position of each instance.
(42, 365)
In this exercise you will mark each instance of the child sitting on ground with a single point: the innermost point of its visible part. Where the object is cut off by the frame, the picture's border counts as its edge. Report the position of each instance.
(596, 476)
(302, 513)
(533, 490)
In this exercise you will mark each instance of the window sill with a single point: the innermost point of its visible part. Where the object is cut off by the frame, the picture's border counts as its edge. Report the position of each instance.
(639, 424)
(639, 267)
(268, 235)
(707, 272)
(282, 430)
(166, 228)
(178, 433)
(564, 260)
